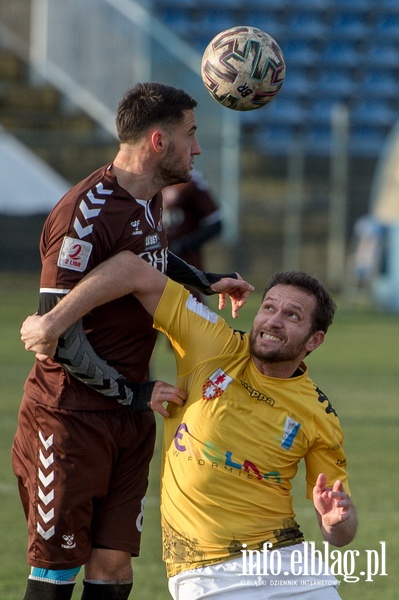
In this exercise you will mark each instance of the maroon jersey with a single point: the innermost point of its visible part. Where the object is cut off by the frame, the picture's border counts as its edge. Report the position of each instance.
(93, 221)
(188, 208)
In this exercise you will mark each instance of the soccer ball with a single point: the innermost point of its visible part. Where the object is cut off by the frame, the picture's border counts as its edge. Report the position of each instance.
(243, 68)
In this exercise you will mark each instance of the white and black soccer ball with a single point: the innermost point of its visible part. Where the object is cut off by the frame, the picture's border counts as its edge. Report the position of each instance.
(243, 68)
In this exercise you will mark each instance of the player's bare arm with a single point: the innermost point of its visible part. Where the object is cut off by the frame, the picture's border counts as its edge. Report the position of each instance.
(120, 275)
(335, 512)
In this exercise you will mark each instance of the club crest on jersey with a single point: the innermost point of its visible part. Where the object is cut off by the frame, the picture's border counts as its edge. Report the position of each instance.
(216, 384)
(74, 254)
(152, 242)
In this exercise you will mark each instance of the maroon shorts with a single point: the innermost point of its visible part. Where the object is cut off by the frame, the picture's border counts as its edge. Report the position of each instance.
(82, 479)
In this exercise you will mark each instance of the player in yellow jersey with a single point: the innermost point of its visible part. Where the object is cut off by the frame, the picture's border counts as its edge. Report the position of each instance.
(231, 452)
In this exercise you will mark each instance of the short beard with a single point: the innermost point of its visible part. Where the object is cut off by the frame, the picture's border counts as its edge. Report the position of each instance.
(170, 173)
(272, 357)
(170, 177)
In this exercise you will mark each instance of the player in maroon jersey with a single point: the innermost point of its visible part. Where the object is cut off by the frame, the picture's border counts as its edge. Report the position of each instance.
(85, 433)
(191, 217)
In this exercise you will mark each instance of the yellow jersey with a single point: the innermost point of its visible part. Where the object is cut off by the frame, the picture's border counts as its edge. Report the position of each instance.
(231, 452)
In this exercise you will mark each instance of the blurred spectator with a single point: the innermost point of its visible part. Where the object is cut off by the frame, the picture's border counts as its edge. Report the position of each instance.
(191, 217)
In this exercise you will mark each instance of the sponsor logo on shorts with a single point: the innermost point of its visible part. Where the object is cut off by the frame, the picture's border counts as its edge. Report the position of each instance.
(69, 540)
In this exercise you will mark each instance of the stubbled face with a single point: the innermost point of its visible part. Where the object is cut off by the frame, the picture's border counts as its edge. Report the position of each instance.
(281, 331)
(183, 146)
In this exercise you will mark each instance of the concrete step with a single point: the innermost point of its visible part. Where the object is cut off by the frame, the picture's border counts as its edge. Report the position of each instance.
(23, 96)
(68, 140)
(16, 121)
(11, 67)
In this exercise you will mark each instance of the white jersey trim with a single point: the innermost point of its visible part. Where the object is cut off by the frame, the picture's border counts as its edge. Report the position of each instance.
(53, 291)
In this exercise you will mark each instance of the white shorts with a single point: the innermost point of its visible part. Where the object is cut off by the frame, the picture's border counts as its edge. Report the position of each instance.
(229, 580)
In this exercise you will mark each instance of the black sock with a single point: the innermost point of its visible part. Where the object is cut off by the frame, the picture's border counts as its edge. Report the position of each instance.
(106, 591)
(45, 590)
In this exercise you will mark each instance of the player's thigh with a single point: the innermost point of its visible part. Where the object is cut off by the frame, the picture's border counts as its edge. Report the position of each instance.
(118, 521)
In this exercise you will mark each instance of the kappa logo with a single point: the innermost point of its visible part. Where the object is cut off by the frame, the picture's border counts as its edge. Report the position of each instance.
(69, 541)
(216, 384)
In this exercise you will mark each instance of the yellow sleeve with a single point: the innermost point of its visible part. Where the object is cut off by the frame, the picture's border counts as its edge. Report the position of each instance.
(195, 332)
(326, 455)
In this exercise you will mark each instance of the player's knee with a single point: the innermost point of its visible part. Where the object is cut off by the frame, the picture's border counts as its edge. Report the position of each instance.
(108, 565)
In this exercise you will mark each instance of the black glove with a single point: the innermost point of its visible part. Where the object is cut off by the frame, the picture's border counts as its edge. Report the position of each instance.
(138, 395)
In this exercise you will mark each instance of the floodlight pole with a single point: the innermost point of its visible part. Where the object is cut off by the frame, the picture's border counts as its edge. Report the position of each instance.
(337, 219)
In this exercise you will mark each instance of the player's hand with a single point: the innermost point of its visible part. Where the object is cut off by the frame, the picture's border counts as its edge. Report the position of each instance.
(332, 503)
(37, 338)
(165, 392)
(237, 289)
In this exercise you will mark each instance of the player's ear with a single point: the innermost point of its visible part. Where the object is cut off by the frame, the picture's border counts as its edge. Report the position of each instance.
(315, 340)
(158, 141)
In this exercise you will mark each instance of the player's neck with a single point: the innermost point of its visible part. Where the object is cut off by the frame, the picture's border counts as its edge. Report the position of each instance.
(135, 183)
(279, 369)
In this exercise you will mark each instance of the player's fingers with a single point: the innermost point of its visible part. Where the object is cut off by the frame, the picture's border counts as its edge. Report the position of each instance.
(338, 487)
(159, 409)
(178, 399)
(222, 301)
(320, 482)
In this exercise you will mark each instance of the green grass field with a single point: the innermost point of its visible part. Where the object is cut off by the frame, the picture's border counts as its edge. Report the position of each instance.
(357, 368)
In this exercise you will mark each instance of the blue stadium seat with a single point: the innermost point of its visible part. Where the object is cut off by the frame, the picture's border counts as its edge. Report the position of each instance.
(367, 141)
(378, 84)
(387, 5)
(384, 55)
(387, 26)
(275, 138)
(262, 5)
(318, 139)
(285, 110)
(211, 22)
(299, 53)
(269, 22)
(355, 5)
(174, 3)
(306, 5)
(178, 20)
(307, 25)
(298, 82)
(350, 25)
(337, 82)
(373, 111)
(340, 52)
(321, 109)
(219, 4)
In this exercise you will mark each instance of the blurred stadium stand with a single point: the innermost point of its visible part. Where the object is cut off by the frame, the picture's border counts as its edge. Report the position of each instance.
(345, 50)
(339, 54)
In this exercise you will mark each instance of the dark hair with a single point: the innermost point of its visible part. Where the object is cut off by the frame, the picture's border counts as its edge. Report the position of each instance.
(325, 306)
(147, 104)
